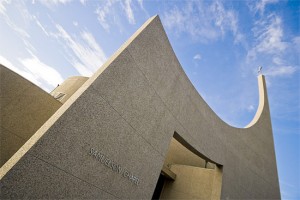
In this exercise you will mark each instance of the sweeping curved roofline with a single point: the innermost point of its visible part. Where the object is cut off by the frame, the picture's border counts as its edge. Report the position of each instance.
(133, 105)
(262, 100)
(253, 122)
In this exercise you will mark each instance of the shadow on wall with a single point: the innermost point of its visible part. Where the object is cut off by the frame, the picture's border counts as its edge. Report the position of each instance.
(186, 175)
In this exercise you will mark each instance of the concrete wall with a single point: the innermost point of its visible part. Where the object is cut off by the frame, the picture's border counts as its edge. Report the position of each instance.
(192, 183)
(178, 154)
(128, 111)
(193, 178)
(64, 91)
(24, 109)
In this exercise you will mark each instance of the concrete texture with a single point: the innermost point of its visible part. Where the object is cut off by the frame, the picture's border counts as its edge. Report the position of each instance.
(193, 177)
(180, 155)
(130, 110)
(24, 109)
(65, 90)
(191, 183)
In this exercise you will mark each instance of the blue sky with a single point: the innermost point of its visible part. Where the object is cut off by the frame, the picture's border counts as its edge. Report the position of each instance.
(220, 45)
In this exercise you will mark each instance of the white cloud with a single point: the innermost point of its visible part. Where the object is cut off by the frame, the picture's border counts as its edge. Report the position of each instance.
(2, 6)
(109, 12)
(175, 18)
(141, 5)
(43, 75)
(19, 24)
(102, 13)
(83, 2)
(85, 54)
(140, 2)
(35, 71)
(40, 25)
(128, 10)
(14, 26)
(277, 61)
(203, 21)
(197, 57)
(75, 23)
(280, 71)
(260, 5)
(22, 72)
(270, 36)
(272, 48)
(18, 19)
(224, 19)
(50, 3)
(8, 64)
(250, 108)
(191, 20)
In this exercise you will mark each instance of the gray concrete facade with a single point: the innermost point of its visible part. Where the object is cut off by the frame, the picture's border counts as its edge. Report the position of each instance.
(128, 112)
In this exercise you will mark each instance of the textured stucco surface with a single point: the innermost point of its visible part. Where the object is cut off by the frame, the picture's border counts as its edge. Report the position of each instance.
(179, 154)
(129, 110)
(24, 108)
(68, 87)
(191, 183)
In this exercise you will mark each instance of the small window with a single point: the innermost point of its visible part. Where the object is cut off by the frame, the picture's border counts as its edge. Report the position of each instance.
(59, 96)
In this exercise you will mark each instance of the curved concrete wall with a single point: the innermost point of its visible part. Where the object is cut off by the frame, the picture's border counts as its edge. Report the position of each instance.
(193, 183)
(110, 139)
(178, 154)
(191, 176)
(24, 109)
(64, 91)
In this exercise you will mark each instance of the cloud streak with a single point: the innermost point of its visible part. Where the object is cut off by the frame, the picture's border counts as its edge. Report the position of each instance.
(280, 71)
(42, 74)
(128, 10)
(197, 57)
(38, 23)
(202, 21)
(2, 6)
(11, 23)
(102, 13)
(261, 5)
(269, 35)
(85, 55)
(108, 12)
(270, 47)
(50, 3)
(35, 71)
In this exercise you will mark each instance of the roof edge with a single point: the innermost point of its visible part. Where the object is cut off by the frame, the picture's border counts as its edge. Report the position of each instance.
(262, 100)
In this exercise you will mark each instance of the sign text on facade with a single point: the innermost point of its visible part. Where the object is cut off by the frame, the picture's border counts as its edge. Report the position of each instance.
(98, 155)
